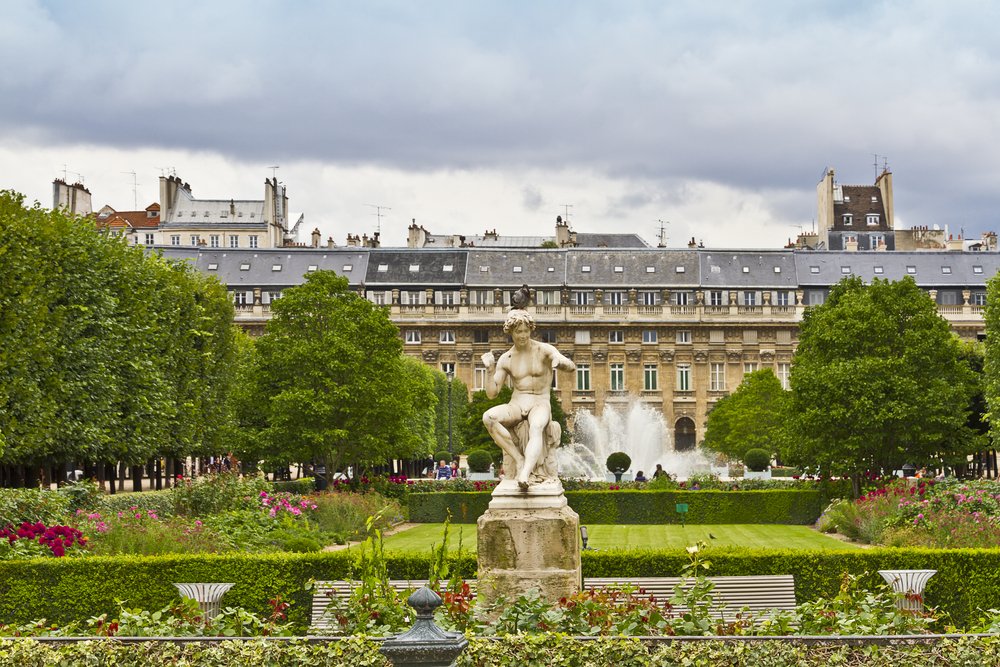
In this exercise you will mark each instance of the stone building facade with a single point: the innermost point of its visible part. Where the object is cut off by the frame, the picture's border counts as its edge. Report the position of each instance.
(675, 329)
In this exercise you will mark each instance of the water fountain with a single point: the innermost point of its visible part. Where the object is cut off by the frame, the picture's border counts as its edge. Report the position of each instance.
(639, 431)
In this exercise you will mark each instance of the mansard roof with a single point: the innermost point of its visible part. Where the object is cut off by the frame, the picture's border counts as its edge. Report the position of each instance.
(928, 269)
(417, 265)
(273, 267)
(608, 268)
(742, 268)
(858, 201)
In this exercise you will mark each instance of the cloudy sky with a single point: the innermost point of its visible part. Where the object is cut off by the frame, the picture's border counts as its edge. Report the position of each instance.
(715, 117)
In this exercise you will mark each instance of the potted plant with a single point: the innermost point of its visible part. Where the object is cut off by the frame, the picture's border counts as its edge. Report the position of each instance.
(479, 462)
(618, 463)
(757, 463)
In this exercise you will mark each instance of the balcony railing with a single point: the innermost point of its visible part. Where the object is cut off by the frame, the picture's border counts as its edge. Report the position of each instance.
(481, 308)
(716, 310)
(682, 310)
(750, 310)
(649, 310)
(581, 310)
(616, 310)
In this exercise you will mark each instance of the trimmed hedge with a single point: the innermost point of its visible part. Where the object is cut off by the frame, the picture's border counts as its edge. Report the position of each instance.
(67, 589)
(792, 506)
(522, 650)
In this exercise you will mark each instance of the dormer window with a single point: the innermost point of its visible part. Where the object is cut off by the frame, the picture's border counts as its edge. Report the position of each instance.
(946, 270)
(414, 268)
(679, 269)
(650, 269)
(448, 268)
(619, 269)
(848, 220)
(911, 269)
(977, 269)
(347, 268)
(383, 268)
(244, 267)
(276, 267)
(585, 268)
(517, 269)
(874, 199)
(847, 198)
(872, 219)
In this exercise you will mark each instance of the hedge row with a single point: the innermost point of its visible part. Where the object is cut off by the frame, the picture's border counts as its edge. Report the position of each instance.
(67, 589)
(792, 506)
(523, 650)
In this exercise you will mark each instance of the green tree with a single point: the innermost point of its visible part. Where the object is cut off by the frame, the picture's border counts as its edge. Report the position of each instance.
(878, 381)
(459, 404)
(106, 353)
(755, 416)
(333, 384)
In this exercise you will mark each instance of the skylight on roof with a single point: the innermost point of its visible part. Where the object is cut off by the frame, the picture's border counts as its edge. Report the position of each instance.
(448, 268)
(551, 269)
(813, 269)
(382, 268)
(484, 269)
(879, 270)
(619, 269)
(977, 269)
(679, 269)
(846, 270)
(585, 268)
(911, 269)
(311, 268)
(650, 269)
(945, 270)
(746, 269)
(347, 267)
(777, 269)
(517, 269)
(245, 266)
(213, 267)
(414, 268)
(276, 267)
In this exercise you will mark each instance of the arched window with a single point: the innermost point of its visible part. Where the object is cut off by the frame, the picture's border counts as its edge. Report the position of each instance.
(684, 435)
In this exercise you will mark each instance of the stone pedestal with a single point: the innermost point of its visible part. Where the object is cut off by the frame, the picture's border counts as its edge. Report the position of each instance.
(528, 540)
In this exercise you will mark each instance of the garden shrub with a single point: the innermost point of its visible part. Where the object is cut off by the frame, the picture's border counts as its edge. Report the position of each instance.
(799, 507)
(479, 460)
(301, 486)
(756, 459)
(32, 505)
(158, 502)
(618, 462)
(345, 514)
(67, 589)
(217, 493)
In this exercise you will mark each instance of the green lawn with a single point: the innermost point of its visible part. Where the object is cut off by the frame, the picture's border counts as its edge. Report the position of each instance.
(758, 536)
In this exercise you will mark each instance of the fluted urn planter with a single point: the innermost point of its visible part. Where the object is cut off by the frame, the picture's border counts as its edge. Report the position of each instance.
(908, 586)
(208, 596)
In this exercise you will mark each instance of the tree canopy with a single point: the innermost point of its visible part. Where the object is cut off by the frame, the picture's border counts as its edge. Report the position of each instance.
(333, 383)
(107, 353)
(754, 416)
(878, 380)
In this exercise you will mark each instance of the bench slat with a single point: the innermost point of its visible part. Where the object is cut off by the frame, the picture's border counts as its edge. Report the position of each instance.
(756, 593)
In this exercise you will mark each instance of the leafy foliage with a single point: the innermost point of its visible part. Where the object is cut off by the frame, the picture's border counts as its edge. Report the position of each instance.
(755, 416)
(756, 459)
(106, 353)
(479, 460)
(878, 381)
(618, 462)
(332, 382)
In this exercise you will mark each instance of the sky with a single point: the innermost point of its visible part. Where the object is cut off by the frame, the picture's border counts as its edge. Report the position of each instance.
(712, 120)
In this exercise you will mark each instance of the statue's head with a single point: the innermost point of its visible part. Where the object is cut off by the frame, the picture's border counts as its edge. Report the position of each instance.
(516, 317)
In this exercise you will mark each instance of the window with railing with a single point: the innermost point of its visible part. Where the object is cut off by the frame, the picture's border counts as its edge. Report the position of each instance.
(683, 377)
(650, 377)
(617, 376)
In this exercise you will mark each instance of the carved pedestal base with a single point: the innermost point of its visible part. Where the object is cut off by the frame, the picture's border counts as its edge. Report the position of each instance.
(521, 549)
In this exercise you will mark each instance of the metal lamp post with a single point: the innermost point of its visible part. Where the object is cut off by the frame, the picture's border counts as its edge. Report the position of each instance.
(451, 376)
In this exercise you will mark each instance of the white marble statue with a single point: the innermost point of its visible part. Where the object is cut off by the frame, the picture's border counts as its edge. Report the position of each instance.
(523, 428)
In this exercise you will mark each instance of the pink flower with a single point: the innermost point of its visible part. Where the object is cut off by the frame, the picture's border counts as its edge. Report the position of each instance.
(197, 523)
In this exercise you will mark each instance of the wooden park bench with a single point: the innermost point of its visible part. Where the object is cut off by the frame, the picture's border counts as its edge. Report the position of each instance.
(756, 593)
(326, 591)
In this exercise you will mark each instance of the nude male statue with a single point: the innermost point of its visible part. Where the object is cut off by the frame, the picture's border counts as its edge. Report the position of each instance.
(529, 364)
